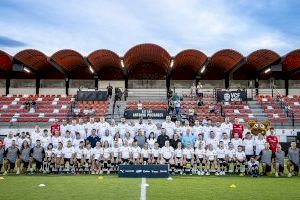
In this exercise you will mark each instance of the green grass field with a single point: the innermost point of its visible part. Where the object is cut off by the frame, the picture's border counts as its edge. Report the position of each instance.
(112, 187)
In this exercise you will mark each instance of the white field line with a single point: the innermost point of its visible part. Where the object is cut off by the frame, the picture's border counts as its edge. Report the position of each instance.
(143, 189)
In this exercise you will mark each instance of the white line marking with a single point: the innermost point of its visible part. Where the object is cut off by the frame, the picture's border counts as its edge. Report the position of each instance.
(143, 189)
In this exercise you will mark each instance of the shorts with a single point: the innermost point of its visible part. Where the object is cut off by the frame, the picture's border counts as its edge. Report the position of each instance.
(281, 168)
(167, 160)
(25, 163)
(221, 160)
(200, 160)
(155, 158)
(126, 160)
(145, 159)
(11, 165)
(268, 168)
(67, 160)
(296, 167)
(38, 164)
(188, 160)
(273, 155)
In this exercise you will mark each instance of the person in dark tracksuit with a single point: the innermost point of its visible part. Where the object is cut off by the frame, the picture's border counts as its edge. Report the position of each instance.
(11, 157)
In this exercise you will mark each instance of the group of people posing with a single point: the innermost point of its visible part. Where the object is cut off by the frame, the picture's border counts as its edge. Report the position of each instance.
(99, 147)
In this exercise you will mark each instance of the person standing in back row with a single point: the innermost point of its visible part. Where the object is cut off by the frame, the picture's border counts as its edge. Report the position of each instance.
(109, 91)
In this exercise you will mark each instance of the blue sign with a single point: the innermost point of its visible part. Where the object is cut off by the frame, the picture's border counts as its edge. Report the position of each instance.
(147, 171)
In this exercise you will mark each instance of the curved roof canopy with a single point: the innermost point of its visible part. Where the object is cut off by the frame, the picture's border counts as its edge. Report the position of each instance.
(68, 59)
(103, 58)
(291, 61)
(226, 59)
(190, 58)
(33, 59)
(5, 61)
(260, 59)
(147, 53)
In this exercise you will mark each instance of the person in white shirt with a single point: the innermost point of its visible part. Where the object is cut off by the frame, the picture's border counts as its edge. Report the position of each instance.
(88, 157)
(188, 158)
(207, 129)
(150, 127)
(167, 153)
(115, 151)
(97, 153)
(68, 156)
(77, 140)
(90, 126)
(122, 127)
(178, 158)
(248, 144)
(211, 159)
(135, 153)
(200, 140)
(125, 152)
(73, 127)
(48, 163)
(66, 138)
(128, 139)
(218, 130)
(102, 126)
(169, 126)
(140, 105)
(197, 128)
(79, 157)
(227, 127)
(225, 140)
(236, 141)
(107, 137)
(259, 144)
(230, 158)
(200, 153)
(64, 127)
(56, 139)
(151, 140)
(212, 140)
(240, 160)
(155, 154)
(253, 166)
(177, 106)
(106, 158)
(113, 129)
(58, 157)
(131, 129)
(145, 154)
(45, 140)
(221, 155)
(81, 128)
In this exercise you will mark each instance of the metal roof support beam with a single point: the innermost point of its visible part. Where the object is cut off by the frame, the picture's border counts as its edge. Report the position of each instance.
(28, 67)
(56, 66)
(276, 62)
(241, 63)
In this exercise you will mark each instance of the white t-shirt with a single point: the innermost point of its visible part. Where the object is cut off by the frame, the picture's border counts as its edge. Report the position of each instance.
(58, 152)
(213, 141)
(218, 131)
(79, 152)
(76, 142)
(88, 153)
(151, 143)
(63, 129)
(55, 141)
(135, 152)
(145, 153)
(106, 153)
(89, 127)
(236, 142)
(97, 152)
(122, 128)
(240, 155)
(49, 153)
(259, 145)
(115, 151)
(167, 152)
(221, 153)
(211, 154)
(188, 153)
(197, 143)
(65, 141)
(200, 152)
(178, 153)
(231, 153)
(129, 141)
(155, 152)
(109, 139)
(68, 152)
(125, 152)
(170, 126)
(102, 126)
(45, 141)
(227, 128)
(197, 129)
(81, 130)
(248, 146)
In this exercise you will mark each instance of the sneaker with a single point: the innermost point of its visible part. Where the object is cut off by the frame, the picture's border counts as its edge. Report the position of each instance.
(241, 174)
(5, 173)
(289, 175)
(207, 173)
(217, 174)
(18, 171)
(199, 173)
(184, 174)
(276, 174)
(181, 172)
(202, 173)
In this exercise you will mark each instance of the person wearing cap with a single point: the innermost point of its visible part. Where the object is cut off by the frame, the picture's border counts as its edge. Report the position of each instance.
(11, 157)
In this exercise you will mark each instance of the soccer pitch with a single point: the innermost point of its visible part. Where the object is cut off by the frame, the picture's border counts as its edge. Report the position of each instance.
(181, 187)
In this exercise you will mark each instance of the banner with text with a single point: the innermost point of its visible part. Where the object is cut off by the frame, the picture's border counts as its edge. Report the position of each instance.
(147, 171)
(228, 96)
(137, 114)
